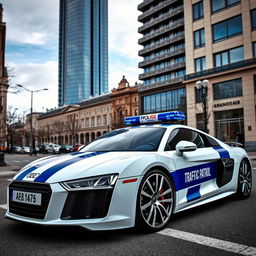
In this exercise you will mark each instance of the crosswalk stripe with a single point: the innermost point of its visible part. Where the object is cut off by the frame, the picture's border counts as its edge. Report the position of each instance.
(211, 242)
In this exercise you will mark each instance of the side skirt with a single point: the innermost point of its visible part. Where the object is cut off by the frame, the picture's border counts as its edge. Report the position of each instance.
(205, 201)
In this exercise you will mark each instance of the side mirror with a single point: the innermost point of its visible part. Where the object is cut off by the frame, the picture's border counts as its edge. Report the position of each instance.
(185, 146)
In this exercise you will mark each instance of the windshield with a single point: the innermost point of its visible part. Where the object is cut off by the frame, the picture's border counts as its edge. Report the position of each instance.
(128, 139)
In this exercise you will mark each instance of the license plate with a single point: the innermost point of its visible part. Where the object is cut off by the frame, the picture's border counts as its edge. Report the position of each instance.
(26, 197)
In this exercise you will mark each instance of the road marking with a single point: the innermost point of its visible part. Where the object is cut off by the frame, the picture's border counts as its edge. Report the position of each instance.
(4, 206)
(16, 161)
(211, 242)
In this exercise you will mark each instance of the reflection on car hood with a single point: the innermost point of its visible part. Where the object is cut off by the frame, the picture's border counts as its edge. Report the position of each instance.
(75, 165)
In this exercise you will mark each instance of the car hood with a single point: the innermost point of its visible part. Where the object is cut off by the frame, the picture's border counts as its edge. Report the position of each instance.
(81, 164)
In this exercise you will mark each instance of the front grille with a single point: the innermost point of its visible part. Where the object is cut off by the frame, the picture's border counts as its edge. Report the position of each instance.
(87, 204)
(27, 210)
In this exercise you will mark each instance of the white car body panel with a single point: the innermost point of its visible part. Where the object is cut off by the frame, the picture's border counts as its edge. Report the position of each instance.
(128, 165)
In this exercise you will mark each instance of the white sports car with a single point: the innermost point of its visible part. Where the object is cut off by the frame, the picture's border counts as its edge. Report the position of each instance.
(134, 176)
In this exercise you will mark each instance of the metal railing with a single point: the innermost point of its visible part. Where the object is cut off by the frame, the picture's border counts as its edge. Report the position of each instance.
(160, 19)
(161, 84)
(161, 44)
(161, 57)
(223, 68)
(155, 9)
(169, 27)
(161, 70)
(145, 3)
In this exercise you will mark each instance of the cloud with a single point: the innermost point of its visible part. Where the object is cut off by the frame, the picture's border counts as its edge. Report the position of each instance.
(123, 26)
(31, 21)
(34, 77)
(32, 45)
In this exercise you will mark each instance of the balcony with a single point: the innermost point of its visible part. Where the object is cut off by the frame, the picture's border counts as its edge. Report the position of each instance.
(167, 55)
(161, 84)
(161, 70)
(153, 47)
(239, 64)
(161, 18)
(168, 28)
(155, 9)
(144, 4)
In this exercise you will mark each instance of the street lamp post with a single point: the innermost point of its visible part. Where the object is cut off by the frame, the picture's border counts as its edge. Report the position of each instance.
(202, 87)
(31, 111)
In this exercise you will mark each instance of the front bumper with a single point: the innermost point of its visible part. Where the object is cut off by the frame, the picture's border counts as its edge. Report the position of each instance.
(120, 213)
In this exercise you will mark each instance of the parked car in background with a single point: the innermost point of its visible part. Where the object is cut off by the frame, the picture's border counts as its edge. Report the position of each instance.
(16, 149)
(25, 150)
(53, 148)
(43, 148)
(65, 149)
(77, 146)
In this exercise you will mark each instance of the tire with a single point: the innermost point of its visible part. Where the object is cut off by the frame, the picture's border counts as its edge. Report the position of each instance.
(155, 202)
(244, 184)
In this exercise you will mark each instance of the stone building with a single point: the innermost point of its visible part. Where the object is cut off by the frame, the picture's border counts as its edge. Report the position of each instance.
(124, 102)
(83, 122)
(76, 124)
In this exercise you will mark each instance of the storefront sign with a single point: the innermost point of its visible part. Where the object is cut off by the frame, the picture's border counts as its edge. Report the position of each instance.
(226, 104)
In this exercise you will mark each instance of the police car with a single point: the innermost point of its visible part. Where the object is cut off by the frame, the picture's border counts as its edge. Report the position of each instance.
(138, 175)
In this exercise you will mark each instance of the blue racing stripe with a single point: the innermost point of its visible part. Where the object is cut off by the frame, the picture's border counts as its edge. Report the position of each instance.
(193, 193)
(31, 169)
(23, 174)
(52, 170)
(222, 152)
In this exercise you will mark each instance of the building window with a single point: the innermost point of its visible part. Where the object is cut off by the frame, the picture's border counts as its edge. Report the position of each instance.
(82, 123)
(98, 120)
(198, 11)
(227, 29)
(171, 100)
(105, 121)
(228, 89)
(200, 121)
(254, 80)
(87, 123)
(253, 16)
(218, 5)
(92, 122)
(229, 56)
(228, 124)
(200, 64)
(254, 49)
(199, 40)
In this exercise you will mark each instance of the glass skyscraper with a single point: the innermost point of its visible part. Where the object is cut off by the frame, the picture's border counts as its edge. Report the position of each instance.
(83, 50)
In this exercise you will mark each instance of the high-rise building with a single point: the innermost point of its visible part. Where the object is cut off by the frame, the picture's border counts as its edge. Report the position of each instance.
(219, 49)
(83, 50)
(163, 56)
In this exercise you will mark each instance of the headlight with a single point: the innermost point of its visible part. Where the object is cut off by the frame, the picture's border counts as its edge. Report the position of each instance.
(99, 182)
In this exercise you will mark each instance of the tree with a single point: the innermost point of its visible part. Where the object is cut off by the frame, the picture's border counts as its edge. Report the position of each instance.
(58, 127)
(72, 126)
(13, 120)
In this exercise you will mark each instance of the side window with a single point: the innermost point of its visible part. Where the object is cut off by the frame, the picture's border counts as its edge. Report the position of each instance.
(178, 135)
(208, 141)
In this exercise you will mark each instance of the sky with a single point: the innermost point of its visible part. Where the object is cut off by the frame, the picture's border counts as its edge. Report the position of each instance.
(32, 49)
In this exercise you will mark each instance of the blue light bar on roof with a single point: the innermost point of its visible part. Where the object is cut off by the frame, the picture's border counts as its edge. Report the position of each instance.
(155, 118)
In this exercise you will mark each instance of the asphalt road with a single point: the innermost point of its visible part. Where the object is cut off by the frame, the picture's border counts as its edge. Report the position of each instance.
(228, 220)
